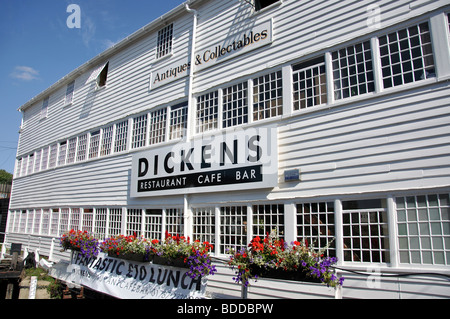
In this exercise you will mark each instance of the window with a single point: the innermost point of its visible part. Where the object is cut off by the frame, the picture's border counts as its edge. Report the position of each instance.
(81, 147)
(103, 76)
(37, 161)
(424, 229)
(233, 228)
(94, 144)
(204, 228)
(315, 223)
(139, 132)
(45, 222)
(164, 44)
(175, 221)
(268, 218)
(62, 153)
(30, 164)
(18, 167)
(64, 220)
(235, 108)
(153, 224)
(72, 150)
(353, 71)
(115, 221)
(310, 87)
(261, 4)
(207, 112)
(37, 221)
(75, 217)
(44, 158)
(53, 154)
(69, 93)
(267, 96)
(24, 166)
(55, 222)
(134, 222)
(158, 126)
(101, 215)
(120, 142)
(44, 109)
(107, 137)
(178, 121)
(87, 219)
(406, 56)
(365, 231)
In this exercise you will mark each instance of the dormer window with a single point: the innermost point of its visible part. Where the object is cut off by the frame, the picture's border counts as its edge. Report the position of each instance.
(261, 4)
(102, 77)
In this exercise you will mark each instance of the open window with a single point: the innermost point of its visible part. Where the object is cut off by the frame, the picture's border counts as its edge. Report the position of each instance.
(103, 76)
(261, 4)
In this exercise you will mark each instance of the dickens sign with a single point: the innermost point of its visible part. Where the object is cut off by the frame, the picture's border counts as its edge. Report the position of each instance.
(243, 159)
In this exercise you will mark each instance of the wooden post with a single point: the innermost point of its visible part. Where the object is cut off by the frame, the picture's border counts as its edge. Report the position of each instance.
(244, 291)
(9, 291)
(15, 258)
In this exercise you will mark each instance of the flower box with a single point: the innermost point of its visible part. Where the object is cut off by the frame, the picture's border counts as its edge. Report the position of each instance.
(299, 275)
(175, 262)
(271, 257)
(131, 256)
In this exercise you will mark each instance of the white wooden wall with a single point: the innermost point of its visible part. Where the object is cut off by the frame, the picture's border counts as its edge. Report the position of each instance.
(381, 143)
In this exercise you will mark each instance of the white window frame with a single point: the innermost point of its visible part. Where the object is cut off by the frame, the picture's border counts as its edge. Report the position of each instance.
(164, 45)
(44, 109)
(70, 92)
(423, 229)
(157, 126)
(309, 84)
(412, 63)
(139, 131)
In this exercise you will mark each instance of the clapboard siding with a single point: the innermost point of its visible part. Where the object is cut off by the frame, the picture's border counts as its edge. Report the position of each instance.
(382, 144)
(401, 139)
(301, 28)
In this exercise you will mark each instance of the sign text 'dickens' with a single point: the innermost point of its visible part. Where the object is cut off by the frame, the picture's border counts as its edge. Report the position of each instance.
(244, 159)
(241, 42)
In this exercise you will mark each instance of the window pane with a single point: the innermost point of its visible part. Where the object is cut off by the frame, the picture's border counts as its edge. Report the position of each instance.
(352, 71)
(408, 55)
(423, 226)
(267, 96)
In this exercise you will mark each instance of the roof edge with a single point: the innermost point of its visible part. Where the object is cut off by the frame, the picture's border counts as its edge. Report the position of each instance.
(109, 52)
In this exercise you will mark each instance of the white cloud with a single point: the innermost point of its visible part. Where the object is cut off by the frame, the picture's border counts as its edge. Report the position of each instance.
(25, 73)
(88, 31)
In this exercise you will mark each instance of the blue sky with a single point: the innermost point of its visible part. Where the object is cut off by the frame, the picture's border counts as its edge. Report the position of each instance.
(37, 48)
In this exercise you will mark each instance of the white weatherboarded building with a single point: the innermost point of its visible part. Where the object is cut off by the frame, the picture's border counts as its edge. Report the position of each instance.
(223, 120)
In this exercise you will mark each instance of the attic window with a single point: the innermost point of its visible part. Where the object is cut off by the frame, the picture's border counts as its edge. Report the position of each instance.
(102, 77)
(164, 44)
(261, 4)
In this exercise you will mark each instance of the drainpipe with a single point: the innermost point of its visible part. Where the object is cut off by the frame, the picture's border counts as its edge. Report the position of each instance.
(189, 129)
(191, 114)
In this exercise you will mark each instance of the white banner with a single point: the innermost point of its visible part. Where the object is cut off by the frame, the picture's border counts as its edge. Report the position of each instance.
(126, 279)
